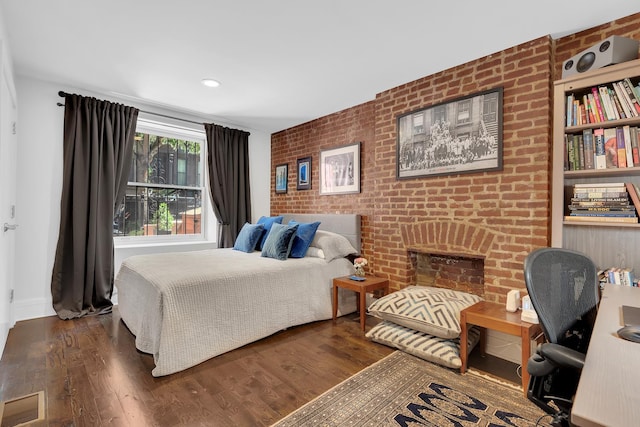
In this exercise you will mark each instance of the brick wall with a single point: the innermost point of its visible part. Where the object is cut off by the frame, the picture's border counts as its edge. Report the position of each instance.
(500, 216)
(355, 124)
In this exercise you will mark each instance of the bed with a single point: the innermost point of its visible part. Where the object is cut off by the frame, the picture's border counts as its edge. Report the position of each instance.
(187, 307)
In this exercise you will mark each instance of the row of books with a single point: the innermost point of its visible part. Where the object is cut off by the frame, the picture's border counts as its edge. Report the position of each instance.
(617, 100)
(603, 148)
(618, 276)
(604, 202)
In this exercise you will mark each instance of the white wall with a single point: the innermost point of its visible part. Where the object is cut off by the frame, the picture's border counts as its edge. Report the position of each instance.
(40, 132)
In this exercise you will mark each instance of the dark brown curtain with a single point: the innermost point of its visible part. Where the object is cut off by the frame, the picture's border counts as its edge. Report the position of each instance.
(98, 139)
(228, 160)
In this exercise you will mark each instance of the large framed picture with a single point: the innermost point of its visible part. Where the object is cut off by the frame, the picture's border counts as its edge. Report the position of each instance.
(304, 174)
(340, 170)
(454, 137)
(282, 176)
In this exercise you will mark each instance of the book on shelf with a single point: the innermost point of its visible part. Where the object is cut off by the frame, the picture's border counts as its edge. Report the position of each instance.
(607, 219)
(598, 195)
(589, 149)
(599, 107)
(579, 150)
(589, 113)
(627, 98)
(569, 114)
(635, 151)
(578, 208)
(626, 132)
(622, 150)
(616, 189)
(601, 201)
(617, 104)
(611, 147)
(609, 108)
(634, 195)
(633, 99)
(600, 155)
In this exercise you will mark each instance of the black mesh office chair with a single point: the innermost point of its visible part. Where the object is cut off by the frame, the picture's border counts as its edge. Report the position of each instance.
(563, 287)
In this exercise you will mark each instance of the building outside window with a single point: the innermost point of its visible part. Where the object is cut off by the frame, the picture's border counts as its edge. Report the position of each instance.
(164, 195)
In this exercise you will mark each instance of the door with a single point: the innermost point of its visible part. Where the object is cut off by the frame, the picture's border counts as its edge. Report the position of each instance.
(8, 159)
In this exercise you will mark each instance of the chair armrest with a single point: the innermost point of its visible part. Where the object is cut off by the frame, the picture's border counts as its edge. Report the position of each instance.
(562, 356)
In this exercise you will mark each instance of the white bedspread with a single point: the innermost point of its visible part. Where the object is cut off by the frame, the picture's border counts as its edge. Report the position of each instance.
(187, 307)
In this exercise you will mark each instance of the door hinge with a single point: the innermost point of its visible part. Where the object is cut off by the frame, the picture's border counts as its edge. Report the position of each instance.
(11, 296)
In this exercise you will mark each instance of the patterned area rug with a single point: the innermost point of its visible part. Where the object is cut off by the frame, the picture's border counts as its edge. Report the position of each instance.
(403, 390)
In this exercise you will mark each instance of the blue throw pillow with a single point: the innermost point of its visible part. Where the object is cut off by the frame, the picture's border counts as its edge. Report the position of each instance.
(303, 238)
(248, 237)
(279, 241)
(267, 222)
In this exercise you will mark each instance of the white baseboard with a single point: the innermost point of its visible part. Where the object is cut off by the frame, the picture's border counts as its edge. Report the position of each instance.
(4, 333)
(32, 308)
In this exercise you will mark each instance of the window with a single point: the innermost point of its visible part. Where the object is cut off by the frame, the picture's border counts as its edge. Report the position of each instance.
(164, 190)
(440, 113)
(490, 108)
(464, 112)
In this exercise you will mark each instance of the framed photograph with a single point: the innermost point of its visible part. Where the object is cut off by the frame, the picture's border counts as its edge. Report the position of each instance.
(282, 177)
(340, 170)
(454, 137)
(304, 174)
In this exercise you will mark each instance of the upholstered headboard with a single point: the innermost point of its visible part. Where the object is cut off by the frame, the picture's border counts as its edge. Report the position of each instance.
(347, 225)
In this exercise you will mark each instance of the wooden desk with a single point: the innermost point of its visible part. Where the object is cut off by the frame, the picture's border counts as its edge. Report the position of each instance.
(608, 394)
(494, 316)
(370, 284)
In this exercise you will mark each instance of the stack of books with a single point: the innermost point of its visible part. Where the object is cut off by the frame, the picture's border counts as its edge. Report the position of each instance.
(604, 202)
(618, 276)
(618, 100)
(616, 147)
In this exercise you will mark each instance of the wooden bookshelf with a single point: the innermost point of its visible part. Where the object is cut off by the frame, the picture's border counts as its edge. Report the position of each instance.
(607, 243)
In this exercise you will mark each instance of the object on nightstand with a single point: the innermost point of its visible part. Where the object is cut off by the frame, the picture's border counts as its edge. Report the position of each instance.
(513, 300)
(528, 313)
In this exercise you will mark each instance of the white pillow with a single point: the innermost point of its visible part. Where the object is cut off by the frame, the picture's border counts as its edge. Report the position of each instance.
(333, 245)
(434, 311)
(434, 349)
(315, 252)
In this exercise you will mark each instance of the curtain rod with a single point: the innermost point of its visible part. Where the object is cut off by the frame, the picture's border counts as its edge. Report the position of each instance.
(63, 94)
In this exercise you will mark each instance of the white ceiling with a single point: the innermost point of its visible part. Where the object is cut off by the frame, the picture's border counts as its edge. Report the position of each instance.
(281, 62)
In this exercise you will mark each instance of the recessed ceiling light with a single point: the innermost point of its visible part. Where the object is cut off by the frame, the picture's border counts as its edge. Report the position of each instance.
(210, 82)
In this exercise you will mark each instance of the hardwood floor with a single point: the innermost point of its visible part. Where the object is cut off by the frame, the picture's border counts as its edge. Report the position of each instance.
(93, 375)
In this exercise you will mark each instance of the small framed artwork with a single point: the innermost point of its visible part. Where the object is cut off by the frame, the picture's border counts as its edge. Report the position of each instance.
(459, 136)
(282, 177)
(340, 170)
(304, 174)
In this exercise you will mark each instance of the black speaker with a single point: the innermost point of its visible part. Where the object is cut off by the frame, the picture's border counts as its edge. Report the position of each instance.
(612, 50)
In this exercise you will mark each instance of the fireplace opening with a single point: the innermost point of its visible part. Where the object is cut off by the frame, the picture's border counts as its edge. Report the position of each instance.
(461, 273)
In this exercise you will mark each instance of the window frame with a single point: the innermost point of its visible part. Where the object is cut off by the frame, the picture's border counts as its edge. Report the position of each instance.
(165, 129)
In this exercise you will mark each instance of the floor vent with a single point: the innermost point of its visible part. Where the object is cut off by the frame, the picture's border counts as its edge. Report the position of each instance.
(25, 411)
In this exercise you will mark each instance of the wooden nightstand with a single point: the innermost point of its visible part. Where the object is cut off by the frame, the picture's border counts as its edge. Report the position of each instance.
(370, 284)
(494, 316)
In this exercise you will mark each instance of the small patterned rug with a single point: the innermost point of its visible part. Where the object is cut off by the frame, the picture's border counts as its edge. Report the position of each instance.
(403, 390)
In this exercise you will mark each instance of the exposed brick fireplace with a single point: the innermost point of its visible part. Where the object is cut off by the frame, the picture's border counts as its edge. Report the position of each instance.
(450, 254)
(461, 273)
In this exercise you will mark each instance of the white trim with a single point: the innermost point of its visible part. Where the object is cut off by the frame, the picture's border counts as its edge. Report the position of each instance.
(171, 130)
